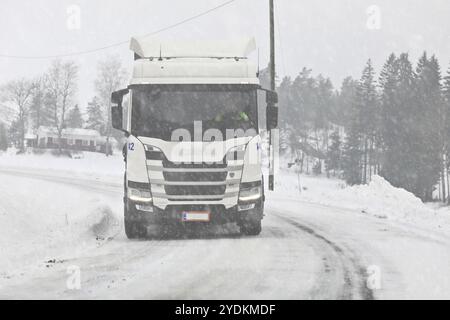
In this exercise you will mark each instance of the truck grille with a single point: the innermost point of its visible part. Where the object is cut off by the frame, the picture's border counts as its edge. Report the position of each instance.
(190, 182)
(184, 165)
(195, 176)
(195, 190)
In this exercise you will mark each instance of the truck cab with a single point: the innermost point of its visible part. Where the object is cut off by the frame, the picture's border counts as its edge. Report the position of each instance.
(191, 116)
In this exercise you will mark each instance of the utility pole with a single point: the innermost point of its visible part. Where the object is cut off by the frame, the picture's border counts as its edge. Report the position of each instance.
(272, 87)
(272, 47)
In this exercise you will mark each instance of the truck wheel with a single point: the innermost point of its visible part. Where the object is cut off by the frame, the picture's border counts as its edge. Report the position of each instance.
(134, 229)
(251, 228)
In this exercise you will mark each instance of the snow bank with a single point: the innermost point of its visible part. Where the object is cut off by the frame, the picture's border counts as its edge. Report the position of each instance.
(45, 227)
(379, 199)
(90, 163)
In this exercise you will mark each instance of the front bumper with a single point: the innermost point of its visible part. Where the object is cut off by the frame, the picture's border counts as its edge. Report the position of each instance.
(173, 213)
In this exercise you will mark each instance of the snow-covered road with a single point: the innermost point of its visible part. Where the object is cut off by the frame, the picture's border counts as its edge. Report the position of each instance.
(306, 251)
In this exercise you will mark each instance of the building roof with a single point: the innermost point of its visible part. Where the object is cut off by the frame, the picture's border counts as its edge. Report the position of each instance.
(70, 131)
(30, 136)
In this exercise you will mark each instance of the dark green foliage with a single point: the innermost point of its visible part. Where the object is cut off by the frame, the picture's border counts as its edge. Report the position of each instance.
(74, 118)
(362, 129)
(95, 119)
(334, 154)
(4, 141)
(398, 127)
(41, 110)
(412, 124)
(352, 154)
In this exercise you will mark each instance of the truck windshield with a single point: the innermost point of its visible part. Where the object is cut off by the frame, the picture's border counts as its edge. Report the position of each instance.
(157, 111)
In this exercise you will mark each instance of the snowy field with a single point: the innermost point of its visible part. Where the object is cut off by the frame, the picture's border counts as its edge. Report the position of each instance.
(319, 241)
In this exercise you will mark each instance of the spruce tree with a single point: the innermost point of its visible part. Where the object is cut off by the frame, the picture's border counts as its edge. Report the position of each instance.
(399, 124)
(345, 100)
(391, 119)
(3, 137)
(367, 101)
(352, 153)
(95, 119)
(428, 123)
(446, 129)
(41, 113)
(74, 118)
(352, 163)
(334, 154)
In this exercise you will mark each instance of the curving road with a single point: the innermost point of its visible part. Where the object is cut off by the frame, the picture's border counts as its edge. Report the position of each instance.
(306, 251)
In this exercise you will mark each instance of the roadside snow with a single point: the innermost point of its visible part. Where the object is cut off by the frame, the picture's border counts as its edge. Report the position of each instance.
(90, 163)
(42, 220)
(379, 199)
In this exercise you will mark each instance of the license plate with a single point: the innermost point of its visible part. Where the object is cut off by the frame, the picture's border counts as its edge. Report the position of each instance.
(196, 216)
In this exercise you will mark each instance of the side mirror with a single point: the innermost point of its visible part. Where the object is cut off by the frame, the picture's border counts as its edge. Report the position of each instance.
(117, 109)
(272, 110)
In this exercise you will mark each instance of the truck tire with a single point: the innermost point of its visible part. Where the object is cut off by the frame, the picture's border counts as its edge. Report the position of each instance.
(251, 228)
(134, 229)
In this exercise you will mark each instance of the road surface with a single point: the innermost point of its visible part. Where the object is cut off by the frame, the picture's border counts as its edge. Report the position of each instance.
(306, 251)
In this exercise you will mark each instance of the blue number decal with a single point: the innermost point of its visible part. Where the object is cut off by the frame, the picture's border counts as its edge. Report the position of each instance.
(131, 146)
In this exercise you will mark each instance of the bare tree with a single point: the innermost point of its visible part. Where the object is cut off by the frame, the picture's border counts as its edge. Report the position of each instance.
(17, 94)
(110, 78)
(62, 85)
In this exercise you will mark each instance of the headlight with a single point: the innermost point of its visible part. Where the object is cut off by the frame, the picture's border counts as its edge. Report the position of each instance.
(153, 153)
(151, 148)
(250, 194)
(140, 195)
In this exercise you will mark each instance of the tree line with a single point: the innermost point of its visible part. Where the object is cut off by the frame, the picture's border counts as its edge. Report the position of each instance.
(50, 100)
(395, 124)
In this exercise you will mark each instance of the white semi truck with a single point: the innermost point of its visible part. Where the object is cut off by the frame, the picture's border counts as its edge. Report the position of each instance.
(192, 116)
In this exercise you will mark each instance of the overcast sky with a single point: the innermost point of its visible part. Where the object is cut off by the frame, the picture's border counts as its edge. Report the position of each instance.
(332, 37)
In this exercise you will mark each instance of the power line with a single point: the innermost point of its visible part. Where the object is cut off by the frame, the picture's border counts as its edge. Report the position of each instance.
(121, 42)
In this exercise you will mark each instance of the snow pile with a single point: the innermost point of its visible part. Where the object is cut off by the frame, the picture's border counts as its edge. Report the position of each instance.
(379, 198)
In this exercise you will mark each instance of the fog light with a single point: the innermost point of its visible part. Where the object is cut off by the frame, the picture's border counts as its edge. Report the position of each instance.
(245, 207)
(139, 195)
(250, 194)
(144, 207)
